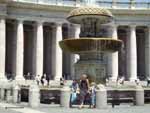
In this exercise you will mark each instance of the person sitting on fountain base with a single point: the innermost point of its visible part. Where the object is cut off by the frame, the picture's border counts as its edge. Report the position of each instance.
(84, 89)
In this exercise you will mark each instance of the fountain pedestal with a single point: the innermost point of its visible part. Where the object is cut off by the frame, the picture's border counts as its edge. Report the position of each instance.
(93, 65)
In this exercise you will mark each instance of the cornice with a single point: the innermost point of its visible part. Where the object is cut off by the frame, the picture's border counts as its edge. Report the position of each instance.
(56, 8)
(59, 8)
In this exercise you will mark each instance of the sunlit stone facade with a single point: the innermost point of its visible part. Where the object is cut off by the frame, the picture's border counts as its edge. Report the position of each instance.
(30, 32)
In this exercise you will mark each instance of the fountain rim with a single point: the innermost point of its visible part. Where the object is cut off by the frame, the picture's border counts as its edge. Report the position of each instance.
(63, 45)
(92, 38)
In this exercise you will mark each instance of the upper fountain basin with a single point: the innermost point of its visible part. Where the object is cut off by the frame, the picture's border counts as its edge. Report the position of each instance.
(77, 15)
(87, 45)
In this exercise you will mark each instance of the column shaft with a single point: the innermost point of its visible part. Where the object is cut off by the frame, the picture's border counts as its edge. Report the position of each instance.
(2, 48)
(19, 50)
(38, 49)
(147, 53)
(132, 54)
(113, 58)
(57, 53)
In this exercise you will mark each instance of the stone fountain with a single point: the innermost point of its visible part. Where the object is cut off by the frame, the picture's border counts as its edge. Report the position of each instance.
(91, 47)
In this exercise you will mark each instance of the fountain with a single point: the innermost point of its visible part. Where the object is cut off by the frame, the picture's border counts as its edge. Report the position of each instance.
(91, 47)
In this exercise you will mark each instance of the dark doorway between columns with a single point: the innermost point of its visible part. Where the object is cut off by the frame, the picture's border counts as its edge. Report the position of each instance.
(10, 49)
(28, 49)
(47, 59)
(66, 56)
(140, 35)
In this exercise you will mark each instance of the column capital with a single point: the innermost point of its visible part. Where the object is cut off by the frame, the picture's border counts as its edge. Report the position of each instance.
(2, 20)
(76, 25)
(2, 17)
(58, 24)
(114, 25)
(39, 22)
(20, 19)
(132, 25)
(148, 26)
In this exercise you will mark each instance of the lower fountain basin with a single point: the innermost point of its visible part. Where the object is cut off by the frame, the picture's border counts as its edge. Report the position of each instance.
(87, 45)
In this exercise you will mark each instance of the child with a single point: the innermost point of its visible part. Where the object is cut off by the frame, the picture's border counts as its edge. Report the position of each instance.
(75, 90)
(93, 94)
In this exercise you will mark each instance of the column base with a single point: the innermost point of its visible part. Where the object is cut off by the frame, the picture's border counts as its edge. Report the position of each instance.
(57, 78)
(19, 79)
(132, 79)
(3, 79)
(113, 79)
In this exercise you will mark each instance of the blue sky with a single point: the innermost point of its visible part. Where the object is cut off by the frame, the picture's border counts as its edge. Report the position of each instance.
(137, 0)
(128, 0)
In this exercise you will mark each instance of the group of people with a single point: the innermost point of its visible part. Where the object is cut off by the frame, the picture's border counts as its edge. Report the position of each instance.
(43, 80)
(82, 89)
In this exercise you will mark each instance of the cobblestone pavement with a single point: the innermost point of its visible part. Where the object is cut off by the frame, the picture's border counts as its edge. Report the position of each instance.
(3, 110)
(57, 109)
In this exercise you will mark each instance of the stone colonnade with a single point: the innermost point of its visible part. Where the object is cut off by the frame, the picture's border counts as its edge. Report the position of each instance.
(131, 54)
(38, 48)
(57, 52)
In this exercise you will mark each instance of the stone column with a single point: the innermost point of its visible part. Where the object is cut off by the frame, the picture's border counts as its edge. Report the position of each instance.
(38, 49)
(2, 48)
(147, 53)
(101, 97)
(57, 52)
(114, 4)
(139, 95)
(2, 93)
(132, 54)
(8, 95)
(34, 96)
(113, 57)
(65, 97)
(74, 57)
(16, 95)
(19, 51)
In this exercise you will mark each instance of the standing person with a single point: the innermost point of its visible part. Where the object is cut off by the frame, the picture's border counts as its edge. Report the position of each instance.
(61, 81)
(93, 94)
(42, 80)
(84, 89)
(75, 90)
(37, 78)
(47, 79)
(28, 76)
